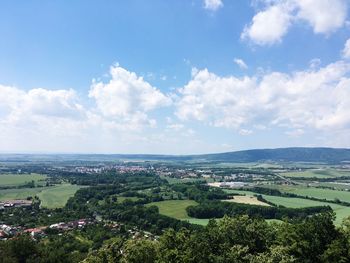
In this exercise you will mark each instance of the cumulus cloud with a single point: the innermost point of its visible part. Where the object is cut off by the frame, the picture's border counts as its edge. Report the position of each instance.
(241, 63)
(221, 101)
(324, 16)
(269, 25)
(127, 97)
(39, 103)
(213, 5)
(310, 99)
(56, 120)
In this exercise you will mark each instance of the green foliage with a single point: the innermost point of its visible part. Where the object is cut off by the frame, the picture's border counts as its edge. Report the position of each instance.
(137, 251)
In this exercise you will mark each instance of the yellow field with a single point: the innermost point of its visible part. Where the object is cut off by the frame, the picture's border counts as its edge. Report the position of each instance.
(246, 199)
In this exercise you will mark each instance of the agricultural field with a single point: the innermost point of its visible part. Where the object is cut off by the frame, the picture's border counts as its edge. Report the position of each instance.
(246, 199)
(341, 211)
(23, 193)
(174, 208)
(20, 179)
(337, 185)
(317, 173)
(57, 196)
(328, 194)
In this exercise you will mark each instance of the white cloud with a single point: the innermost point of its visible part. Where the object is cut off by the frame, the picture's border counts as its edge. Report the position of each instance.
(223, 102)
(311, 99)
(127, 97)
(55, 120)
(269, 25)
(240, 63)
(39, 102)
(213, 5)
(325, 16)
(346, 50)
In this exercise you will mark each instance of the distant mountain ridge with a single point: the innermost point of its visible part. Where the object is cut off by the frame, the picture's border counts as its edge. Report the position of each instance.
(292, 154)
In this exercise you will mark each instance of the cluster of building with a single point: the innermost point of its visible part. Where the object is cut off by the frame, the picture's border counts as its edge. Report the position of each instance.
(229, 184)
(15, 203)
(62, 226)
(7, 231)
(100, 169)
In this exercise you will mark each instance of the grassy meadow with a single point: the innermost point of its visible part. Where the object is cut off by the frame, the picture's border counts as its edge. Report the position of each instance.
(20, 179)
(51, 196)
(341, 211)
(317, 173)
(177, 209)
(22, 193)
(328, 194)
(174, 208)
(57, 196)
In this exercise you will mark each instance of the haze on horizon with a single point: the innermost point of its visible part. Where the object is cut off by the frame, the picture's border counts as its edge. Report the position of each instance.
(173, 77)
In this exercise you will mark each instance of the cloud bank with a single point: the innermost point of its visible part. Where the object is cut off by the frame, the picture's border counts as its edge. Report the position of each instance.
(271, 23)
(123, 109)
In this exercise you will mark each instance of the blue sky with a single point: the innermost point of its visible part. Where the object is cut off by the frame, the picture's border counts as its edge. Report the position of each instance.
(174, 77)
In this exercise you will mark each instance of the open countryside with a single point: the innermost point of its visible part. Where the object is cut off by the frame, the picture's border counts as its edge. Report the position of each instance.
(20, 179)
(318, 173)
(142, 200)
(57, 196)
(246, 199)
(53, 196)
(174, 208)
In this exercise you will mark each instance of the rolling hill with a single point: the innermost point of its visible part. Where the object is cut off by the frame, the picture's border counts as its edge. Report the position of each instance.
(295, 154)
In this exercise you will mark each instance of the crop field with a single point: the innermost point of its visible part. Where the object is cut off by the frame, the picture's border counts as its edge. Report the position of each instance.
(341, 211)
(174, 208)
(18, 179)
(328, 194)
(246, 199)
(317, 173)
(8, 194)
(57, 196)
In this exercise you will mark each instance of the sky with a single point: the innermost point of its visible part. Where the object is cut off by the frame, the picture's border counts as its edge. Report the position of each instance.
(173, 77)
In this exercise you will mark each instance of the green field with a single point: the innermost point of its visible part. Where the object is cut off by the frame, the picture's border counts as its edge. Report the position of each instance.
(174, 208)
(19, 179)
(198, 221)
(57, 196)
(22, 193)
(51, 197)
(328, 194)
(341, 211)
(317, 173)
